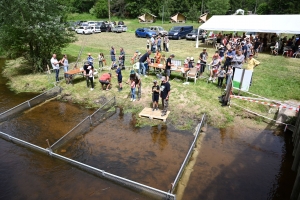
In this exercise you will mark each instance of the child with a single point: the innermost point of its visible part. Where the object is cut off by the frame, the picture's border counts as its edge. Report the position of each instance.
(119, 76)
(221, 74)
(155, 95)
(90, 77)
(132, 86)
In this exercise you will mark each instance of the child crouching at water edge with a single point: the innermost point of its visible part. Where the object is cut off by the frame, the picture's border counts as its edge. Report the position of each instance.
(132, 86)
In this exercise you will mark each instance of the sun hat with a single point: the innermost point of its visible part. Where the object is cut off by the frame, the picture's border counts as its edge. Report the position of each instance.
(192, 58)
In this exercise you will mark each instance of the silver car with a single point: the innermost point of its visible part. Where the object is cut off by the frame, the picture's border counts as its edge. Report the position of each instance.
(119, 29)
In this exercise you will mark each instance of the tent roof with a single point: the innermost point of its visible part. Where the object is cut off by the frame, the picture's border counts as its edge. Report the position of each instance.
(254, 23)
(143, 16)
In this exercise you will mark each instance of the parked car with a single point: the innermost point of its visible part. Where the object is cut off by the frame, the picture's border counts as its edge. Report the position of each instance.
(71, 25)
(96, 29)
(120, 23)
(193, 35)
(105, 27)
(84, 30)
(144, 32)
(117, 29)
(91, 23)
(159, 30)
(179, 32)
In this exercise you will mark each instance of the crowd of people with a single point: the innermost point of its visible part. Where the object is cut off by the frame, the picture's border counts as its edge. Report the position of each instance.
(233, 53)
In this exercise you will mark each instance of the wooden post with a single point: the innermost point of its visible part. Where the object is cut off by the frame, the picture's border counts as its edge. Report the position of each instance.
(228, 92)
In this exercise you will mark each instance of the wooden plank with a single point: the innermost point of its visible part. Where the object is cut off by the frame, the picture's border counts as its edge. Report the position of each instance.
(147, 112)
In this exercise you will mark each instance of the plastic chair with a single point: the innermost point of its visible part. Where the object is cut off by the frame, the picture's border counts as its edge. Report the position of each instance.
(193, 73)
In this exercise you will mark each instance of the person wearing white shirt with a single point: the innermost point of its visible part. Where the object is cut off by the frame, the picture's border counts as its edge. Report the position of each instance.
(55, 66)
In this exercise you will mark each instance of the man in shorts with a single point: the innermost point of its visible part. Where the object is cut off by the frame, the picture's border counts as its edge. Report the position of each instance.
(105, 79)
(155, 95)
(168, 66)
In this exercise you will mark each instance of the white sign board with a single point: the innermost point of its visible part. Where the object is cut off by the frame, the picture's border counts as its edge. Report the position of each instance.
(237, 79)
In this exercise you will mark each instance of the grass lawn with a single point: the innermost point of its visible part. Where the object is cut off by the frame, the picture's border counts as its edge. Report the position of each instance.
(276, 78)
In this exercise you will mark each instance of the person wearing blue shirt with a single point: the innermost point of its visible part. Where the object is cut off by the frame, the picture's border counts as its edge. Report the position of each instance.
(90, 59)
(143, 59)
(119, 76)
(159, 43)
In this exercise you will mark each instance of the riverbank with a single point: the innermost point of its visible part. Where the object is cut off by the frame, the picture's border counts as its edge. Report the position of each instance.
(187, 102)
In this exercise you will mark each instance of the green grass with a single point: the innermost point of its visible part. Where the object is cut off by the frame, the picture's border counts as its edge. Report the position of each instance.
(276, 78)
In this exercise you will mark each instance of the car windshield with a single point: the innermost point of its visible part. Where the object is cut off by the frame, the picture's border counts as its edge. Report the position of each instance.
(175, 28)
(194, 31)
(147, 29)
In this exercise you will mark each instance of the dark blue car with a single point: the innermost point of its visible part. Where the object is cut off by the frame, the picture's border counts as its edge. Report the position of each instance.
(144, 32)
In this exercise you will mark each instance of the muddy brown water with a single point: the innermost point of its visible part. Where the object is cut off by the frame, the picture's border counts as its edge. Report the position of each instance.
(233, 163)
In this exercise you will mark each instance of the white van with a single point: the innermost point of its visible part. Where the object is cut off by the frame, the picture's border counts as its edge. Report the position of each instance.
(96, 29)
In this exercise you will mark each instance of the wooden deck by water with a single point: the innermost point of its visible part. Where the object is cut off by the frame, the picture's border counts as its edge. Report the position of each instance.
(147, 112)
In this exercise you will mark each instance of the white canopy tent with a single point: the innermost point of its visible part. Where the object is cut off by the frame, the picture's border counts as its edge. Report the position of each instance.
(253, 23)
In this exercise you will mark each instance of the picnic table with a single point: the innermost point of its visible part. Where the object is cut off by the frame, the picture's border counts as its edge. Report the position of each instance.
(179, 69)
(72, 73)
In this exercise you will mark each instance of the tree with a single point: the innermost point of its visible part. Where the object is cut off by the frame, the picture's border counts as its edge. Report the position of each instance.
(193, 13)
(218, 7)
(34, 29)
(101, 9)
(263, 9)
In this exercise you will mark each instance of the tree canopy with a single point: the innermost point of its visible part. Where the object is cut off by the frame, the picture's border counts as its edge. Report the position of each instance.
(34, 29)
(133, 8)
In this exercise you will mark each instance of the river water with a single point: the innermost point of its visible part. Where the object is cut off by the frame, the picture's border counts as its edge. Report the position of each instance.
(233, 163)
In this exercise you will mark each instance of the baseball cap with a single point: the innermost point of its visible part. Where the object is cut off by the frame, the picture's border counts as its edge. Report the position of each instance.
(132, 72)
(163, 78)
(136, 51)
(155, 81)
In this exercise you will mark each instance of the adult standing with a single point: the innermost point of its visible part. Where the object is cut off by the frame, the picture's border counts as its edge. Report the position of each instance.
(159, 43)
(166, 41)
(168, 66)
(237, 61)
(87, 68)
(101, 59)
(165, 89)
(203, 59)
(55, 66)
(257, 45)
(152, 40)
(113, 57)
(164, 44)
(122, 58)
(90, 59)
(228, 56)
(138, 82)
(244, 50)
(65, 62)
(155, 95)
(144, 58)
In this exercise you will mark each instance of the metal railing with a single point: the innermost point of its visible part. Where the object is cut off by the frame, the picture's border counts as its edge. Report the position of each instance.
(189, 154)
(137, 187)
(84, 126)
(30, 103)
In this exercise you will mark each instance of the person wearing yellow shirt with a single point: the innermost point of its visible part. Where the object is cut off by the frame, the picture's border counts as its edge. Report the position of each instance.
(251, 64)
